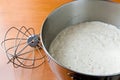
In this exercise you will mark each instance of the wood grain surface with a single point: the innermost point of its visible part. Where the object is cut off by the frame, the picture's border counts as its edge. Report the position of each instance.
(30, 13)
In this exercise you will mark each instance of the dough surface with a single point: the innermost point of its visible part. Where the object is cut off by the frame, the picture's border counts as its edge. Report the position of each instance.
(90, 47)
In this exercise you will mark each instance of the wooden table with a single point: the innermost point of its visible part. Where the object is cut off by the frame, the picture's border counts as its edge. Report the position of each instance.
(30, 13)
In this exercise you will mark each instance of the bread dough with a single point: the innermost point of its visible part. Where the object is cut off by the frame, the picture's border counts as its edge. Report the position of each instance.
(89, 47)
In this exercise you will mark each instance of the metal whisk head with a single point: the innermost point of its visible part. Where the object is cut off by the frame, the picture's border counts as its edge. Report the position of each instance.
(23, 48)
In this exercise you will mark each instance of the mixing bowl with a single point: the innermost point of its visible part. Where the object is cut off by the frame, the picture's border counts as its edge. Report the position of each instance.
(73, 13)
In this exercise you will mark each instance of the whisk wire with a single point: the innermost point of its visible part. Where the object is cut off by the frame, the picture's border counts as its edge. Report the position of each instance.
(27, 30)
(16, 57)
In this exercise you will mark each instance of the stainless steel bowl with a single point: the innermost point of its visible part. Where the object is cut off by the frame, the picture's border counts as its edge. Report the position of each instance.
(74, 13)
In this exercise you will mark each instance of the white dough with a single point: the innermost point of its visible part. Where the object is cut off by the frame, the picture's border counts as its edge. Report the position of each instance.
(90, 47)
